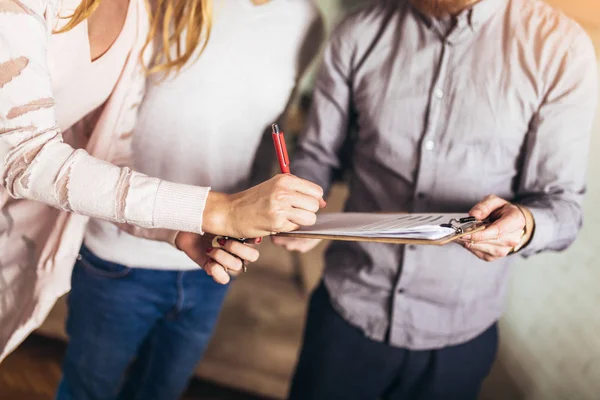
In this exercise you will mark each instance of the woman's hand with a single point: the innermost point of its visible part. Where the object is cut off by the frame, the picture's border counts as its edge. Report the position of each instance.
(221, 262)
(281, 204)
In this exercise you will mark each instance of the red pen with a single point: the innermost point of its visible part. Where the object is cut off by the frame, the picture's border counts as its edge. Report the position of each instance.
(281, 150)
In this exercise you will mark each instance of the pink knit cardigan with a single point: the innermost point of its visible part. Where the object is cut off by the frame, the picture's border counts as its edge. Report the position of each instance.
(49, 189)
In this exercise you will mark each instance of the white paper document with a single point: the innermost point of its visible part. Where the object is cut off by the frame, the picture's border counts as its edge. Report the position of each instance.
(395, 226)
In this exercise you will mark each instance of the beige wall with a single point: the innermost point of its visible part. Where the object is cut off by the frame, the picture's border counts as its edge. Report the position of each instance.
(550, 334)
(587, 12)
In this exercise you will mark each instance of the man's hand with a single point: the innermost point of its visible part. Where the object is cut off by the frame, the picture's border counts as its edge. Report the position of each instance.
(511, 226)
(295, 244)
(219, 263)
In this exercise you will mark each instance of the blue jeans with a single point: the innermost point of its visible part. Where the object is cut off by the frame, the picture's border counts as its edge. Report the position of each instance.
(135, 333)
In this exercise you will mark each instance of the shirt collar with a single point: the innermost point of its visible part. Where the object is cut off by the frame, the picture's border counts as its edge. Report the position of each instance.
(475, 16)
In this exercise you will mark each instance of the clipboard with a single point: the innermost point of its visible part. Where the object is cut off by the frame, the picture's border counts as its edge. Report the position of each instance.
(461, 227)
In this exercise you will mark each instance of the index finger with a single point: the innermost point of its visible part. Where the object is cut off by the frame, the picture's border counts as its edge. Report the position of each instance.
(307, 187)
(243, 251)
(496, 230)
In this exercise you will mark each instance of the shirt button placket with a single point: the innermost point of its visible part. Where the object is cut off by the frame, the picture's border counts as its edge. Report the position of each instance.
(425, 177)
(423, 185)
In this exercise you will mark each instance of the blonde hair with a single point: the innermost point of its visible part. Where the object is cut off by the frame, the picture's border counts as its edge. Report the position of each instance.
(169, 20)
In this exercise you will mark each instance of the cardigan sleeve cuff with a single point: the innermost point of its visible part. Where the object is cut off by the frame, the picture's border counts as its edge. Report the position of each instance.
(180, 207)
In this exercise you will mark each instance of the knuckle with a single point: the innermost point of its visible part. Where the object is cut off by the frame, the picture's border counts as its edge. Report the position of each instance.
(274, 216)
(513, 242)
(497, 252)
(284, 180)
(237, 264)
(278, 223)
(275, 198)
(232, 265)
(229, 246)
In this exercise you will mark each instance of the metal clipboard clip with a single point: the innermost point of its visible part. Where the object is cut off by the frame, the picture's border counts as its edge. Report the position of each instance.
(462, 225)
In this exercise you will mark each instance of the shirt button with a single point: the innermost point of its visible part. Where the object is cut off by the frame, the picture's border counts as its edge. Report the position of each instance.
(429, 145)
(412, 247)
(79, 257)
(439, 93)
(400, 291)
(421, 195)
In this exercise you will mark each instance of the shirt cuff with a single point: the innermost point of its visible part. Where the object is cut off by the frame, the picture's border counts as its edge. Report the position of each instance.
(180, 207)
(543, 231)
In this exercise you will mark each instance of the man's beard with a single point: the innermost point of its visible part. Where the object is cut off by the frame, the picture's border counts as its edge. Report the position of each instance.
(441, 8)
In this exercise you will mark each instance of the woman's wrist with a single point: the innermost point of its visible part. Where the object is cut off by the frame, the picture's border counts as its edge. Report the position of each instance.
(215, 218)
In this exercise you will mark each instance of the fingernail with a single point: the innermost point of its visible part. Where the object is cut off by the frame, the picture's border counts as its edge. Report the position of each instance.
(468, 237)
(222, 242)
(259, 240)
(209, 249)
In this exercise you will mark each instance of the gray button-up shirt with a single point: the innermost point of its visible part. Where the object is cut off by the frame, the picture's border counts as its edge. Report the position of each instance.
(501, 103)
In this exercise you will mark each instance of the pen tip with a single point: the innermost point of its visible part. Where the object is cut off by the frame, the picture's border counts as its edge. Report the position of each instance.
(275, 128)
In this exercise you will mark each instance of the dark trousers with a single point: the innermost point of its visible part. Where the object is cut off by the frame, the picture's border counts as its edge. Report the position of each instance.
(338, 362)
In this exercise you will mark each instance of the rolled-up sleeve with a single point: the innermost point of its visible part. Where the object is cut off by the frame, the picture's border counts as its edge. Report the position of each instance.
(553, 184)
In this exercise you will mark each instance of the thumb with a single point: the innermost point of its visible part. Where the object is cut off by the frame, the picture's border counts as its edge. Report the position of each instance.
(486, 207)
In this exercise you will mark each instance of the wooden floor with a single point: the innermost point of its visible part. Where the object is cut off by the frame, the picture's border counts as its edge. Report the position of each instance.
(33, 372)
